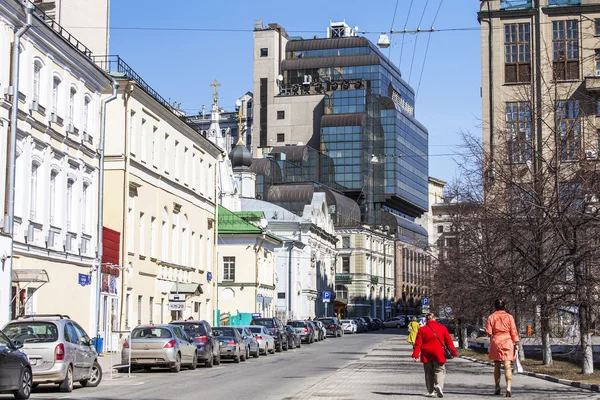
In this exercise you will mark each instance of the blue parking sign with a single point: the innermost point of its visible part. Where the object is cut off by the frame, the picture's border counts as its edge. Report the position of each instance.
(425, 301)
(326, 296)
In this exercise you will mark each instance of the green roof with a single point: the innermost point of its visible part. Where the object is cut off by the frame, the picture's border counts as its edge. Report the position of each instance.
(232, 222)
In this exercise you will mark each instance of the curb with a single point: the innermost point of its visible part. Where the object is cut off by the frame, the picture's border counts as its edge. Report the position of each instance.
(577, 384)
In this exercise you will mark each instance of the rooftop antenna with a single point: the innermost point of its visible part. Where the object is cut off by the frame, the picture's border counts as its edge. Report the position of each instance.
(202, 111)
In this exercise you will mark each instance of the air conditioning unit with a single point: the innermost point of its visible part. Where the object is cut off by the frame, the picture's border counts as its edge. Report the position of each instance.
(34, 106)
(86, 137)
(67, 243)
(50, 239)
(70, 128)
(30, 233)
(53, 117)
(83, 247)
(591, 154)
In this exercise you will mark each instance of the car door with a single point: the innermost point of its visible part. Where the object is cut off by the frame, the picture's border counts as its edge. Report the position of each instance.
(73, 352)
(10, 366)
(88, 354)
(187, 353)
(214, 341)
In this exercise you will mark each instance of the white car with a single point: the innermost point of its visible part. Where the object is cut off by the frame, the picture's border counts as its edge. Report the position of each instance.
(349, 326)
(266, 342)
(395, 322)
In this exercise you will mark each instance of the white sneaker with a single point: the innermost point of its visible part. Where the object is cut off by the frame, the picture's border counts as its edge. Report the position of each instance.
(439, 391)
(430, 394)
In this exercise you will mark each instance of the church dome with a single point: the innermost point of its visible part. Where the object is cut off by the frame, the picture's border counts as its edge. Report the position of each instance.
(240, 156)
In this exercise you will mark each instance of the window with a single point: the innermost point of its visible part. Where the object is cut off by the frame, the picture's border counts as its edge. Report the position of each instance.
(165, 235)
(346, 242)
(517, 54)
(176, 160)
(597, 59)
(143, 141)
(153, 237)
(37, 69)
(130, 223)
(185, 241)
(84, 207)
(140, 298)
(33, 191)
(142, 234)
(52, 199)
(166, 153)
(55, 94)
(280, 114)
(565, 48)
(132, 141)
(127, 305)
(72, 94)
(597, 26)
(150, 305)
(281, 137)
(440, 229)
(264, 52)
(154, 150)
(569, 129)
(175, 240)
(346, 265)
(162, 311)
(228, 268)
(518, 130)
(70, 184)
(86, 114)
(186, 173)
(341, 292)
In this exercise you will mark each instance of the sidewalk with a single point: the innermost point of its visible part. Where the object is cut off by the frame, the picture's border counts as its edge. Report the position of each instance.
(107, 361)
(389, 372)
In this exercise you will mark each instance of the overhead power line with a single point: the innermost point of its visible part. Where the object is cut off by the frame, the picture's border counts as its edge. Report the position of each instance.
(427, 49)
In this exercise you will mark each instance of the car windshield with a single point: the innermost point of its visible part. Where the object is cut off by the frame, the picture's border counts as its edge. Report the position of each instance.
(297, 324)
(264, 322)
(193, 330)
(29, 332)
(256, 329)
(224, 331)
(346, 321)
(327, 321)
(151, 333)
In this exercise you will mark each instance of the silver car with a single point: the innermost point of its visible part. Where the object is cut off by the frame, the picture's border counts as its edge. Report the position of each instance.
(266, 342)
(59, 350)
(252, 346)
(231, 343)
(160, 346)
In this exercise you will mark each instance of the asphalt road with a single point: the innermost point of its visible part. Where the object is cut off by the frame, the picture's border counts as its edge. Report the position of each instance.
(275, 376)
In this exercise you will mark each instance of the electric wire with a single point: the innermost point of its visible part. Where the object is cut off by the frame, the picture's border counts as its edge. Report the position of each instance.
(416, 41)
(405, 24)
(392, 26)
(427, 50)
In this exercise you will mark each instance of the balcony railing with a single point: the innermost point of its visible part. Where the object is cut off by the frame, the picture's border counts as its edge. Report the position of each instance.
(524, 4)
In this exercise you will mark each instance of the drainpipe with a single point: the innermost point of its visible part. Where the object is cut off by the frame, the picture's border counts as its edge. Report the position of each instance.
(115, 87)
(14, 111)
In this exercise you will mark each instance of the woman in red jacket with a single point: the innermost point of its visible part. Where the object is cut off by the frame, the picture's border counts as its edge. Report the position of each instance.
(428, 348)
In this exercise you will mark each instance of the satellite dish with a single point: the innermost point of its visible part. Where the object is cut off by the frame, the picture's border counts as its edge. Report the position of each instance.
(238, 103)
(356, 29)
(280, 78)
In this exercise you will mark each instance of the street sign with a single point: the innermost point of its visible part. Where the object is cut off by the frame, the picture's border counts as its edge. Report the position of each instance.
(425, 301)
(388, 303)
(424, 309)
(177, 306)
(176, 297)
(256, 315)
(84, 279)
(326, 297)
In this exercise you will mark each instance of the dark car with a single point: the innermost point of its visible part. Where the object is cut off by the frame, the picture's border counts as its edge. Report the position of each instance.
(275, 327)
(231, 344)
(294, 339)
(361, 325)
(333, 326)
(378, 323)
(205, 341)
(370, 324)
(313, 330)
(15, 369)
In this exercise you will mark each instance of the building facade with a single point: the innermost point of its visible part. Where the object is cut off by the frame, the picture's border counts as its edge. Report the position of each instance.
(160, 197)
(57, 170)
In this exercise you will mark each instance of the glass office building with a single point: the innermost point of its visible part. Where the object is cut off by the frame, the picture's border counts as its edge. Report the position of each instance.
(368, 130)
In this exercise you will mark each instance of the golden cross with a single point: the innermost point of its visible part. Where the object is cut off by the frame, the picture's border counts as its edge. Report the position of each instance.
(215, 94)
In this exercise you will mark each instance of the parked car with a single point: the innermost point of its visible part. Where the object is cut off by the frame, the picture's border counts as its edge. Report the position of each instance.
(349, 326)
(266, 343)
(333, 326)
(370, 325)
(321, 330)
(361, 325)
(395, 322)
(160, 346)
(303, 329)
(294, 340)
(58, 349)
(15, 369)
(274, 326)
(315, 330)
(379, 323)
(473, 331)
(231, 343)
(206, 343)
(252, 347)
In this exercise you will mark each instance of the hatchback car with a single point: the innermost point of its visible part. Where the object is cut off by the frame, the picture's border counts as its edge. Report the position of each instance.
(274, 326)
(395, 322)
(266, 343)
(252, 347)
(231, 344)
(58, 349)
(15, 370)
(294, 340)
(349, 326)
(160, 346)
(303, 329)
(320, 331)
(361, 325)
(206, 343)
(379, 323)
(332, 324)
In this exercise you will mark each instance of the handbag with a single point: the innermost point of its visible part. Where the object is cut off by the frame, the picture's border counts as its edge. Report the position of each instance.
(447, 352)
(518, 366)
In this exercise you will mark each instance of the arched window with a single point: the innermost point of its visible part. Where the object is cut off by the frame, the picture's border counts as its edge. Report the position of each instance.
(185, 241)
(71, 116)
(175, 239)
(341, 292)
(70, 184)
(85, 207)
(55, 94)
(37, 72)
(52, 199)
(165, 235)
(86, 114)
(33, 189)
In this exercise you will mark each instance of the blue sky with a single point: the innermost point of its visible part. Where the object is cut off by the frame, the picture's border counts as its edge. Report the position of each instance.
(180, 63)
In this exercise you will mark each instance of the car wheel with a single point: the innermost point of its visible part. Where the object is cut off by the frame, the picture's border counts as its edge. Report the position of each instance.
(286, 346)
(25, 385)
(209, 362)
(272, 350)
(194, 361)
(95, 376)
(257, 353)
(266, 350)
(237, 358)
(217, 360)
(474, 335)
(67, 384)
(299, 344)
(177, 366)
(246, 354)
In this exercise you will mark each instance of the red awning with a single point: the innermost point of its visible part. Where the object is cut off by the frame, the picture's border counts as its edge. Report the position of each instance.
(110, 251)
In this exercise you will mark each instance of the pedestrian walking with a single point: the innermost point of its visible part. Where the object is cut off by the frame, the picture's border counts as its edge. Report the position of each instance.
(504, 341)
(430, 344)
(413, 328)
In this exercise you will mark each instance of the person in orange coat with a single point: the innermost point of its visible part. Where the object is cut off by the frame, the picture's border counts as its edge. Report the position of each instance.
(504, 340)
(428, 348)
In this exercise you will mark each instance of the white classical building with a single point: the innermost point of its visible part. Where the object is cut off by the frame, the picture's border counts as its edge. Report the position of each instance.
(306, 266)
(57, 164)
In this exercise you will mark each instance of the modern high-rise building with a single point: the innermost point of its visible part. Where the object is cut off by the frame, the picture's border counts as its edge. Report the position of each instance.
(341, 96)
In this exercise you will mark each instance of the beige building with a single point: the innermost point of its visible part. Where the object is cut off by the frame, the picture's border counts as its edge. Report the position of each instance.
(57, 170)
(160, 198)
(540, 81)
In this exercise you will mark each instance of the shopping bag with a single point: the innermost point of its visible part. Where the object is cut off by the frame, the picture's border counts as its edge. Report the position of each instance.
(518, 366)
